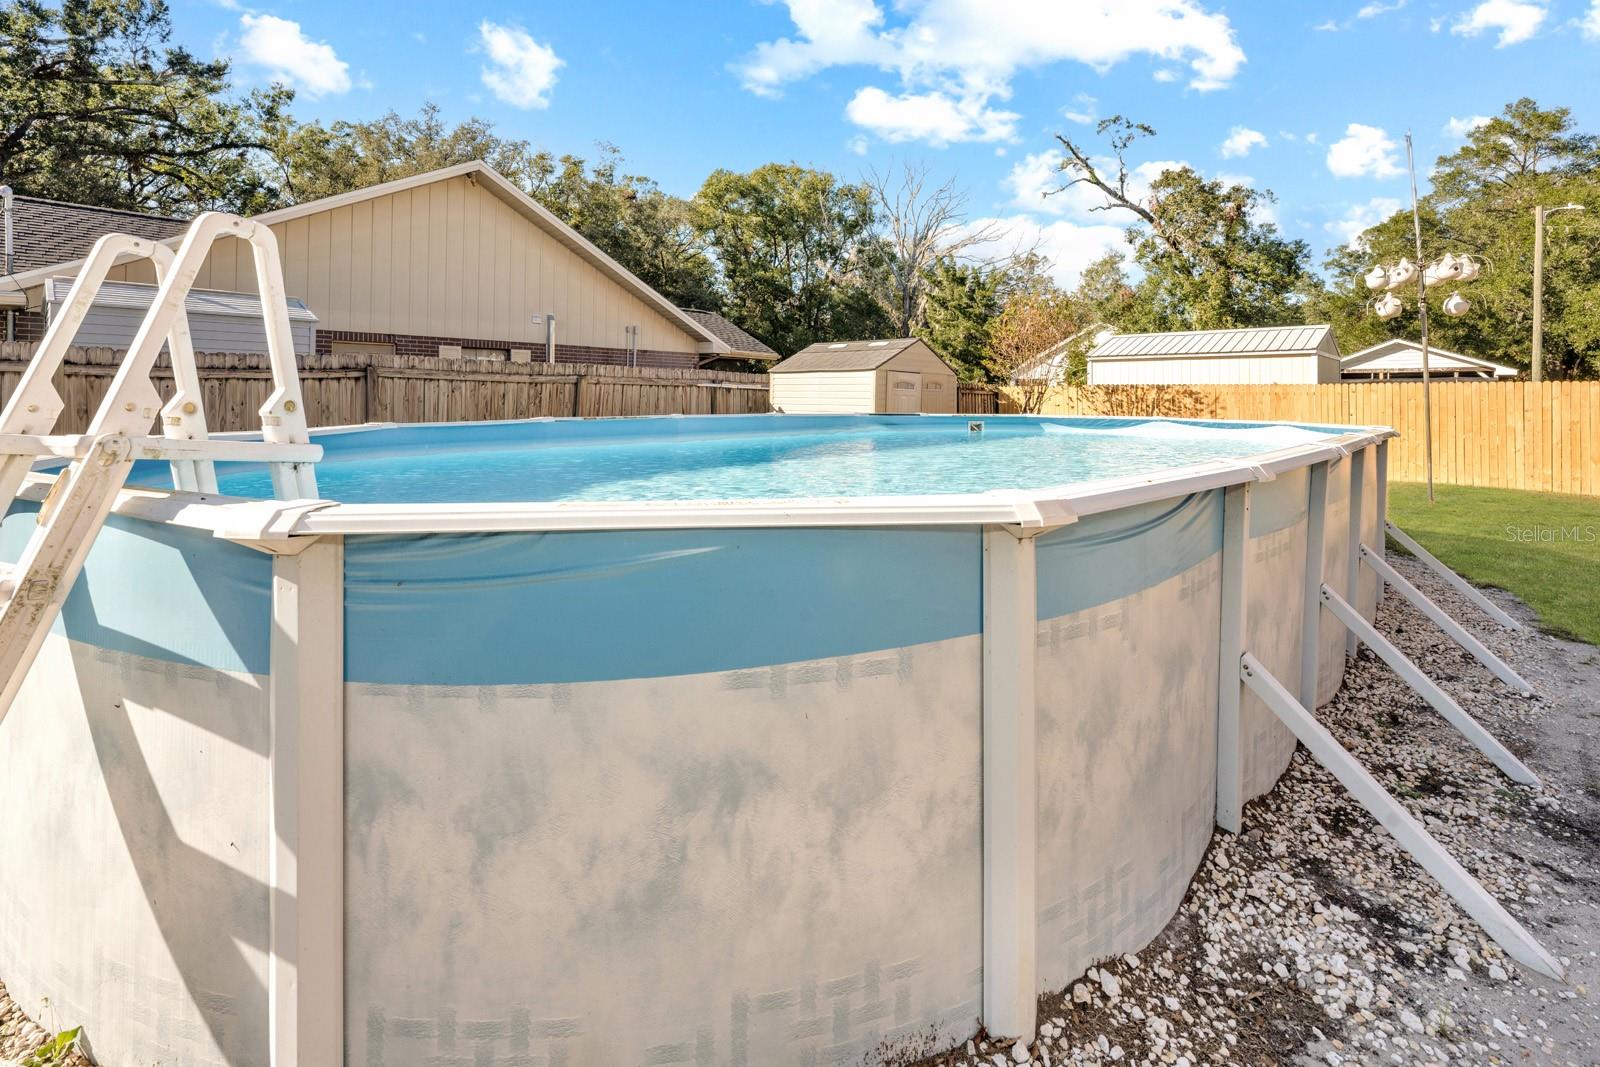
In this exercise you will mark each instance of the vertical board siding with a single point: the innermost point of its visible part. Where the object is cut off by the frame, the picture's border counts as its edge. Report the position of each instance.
(1516, 435)
(346, 389)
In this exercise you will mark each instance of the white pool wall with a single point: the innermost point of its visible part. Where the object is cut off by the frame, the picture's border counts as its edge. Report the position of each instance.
(736, 863)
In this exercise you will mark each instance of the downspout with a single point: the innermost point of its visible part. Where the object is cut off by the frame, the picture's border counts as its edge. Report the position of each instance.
(11, 315)
(550, 339)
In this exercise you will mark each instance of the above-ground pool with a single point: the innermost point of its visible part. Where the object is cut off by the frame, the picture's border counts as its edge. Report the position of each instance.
(734, 740)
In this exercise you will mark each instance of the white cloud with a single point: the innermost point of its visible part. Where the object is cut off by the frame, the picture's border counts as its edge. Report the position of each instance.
(1240, 140)
(1460, 127)
(1514, 20)
(1377, 7)
(521, 71)
(858, 144)
(1313, 137)
(1360, 217)
(1590, 23)
(289, 56)
(934, 117)
(961, 55)
(1363, 151)
(1083, 109)
(1068, 247)
(1328, 26)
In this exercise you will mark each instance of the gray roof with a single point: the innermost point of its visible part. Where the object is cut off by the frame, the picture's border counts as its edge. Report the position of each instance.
(48, 231)
(740, 342)
(140, 295)
(1251, 340)
(844, 355)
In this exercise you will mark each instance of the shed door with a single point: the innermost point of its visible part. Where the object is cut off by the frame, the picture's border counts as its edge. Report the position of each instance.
(905, 392)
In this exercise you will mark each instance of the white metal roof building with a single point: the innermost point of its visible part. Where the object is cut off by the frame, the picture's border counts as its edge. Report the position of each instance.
(1270, 355)
(1401, 360)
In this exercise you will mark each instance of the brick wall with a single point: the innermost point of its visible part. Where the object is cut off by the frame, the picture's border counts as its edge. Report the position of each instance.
(419, 345)
(30, 326)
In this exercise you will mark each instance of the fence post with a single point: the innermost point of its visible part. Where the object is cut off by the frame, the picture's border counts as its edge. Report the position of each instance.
(577, 396)
(371, 397)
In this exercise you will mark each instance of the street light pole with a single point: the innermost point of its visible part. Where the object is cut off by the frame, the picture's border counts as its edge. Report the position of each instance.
(1539, 214)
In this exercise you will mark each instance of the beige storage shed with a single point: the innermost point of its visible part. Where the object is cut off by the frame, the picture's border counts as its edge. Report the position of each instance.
(1256, 355)
(896, 377)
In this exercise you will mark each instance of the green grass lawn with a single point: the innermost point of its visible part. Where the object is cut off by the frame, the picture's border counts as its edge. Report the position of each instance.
(1544, 547)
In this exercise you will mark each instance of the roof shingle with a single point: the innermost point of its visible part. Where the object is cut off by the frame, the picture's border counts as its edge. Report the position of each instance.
(844, 355)
(740, 342)
(48, 231)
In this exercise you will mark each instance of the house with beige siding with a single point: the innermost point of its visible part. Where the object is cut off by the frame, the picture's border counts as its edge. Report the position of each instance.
(457, 262)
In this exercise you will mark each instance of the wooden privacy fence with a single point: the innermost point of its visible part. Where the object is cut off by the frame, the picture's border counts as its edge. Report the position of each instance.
(346, 389)
(1512, 435)
(973, 398)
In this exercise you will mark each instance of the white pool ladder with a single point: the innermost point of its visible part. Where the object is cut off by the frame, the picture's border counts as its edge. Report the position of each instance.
(99, 460)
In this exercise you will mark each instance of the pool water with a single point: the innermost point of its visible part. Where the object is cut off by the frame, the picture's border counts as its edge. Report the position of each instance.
(861, 458)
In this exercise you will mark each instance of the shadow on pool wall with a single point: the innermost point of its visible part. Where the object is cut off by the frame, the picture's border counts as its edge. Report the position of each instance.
(692, 796)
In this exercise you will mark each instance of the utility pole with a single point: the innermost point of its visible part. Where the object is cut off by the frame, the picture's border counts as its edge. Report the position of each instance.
(1422, 311)
(1539, 214)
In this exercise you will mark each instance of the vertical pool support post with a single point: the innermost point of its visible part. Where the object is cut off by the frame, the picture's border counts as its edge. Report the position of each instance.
(1383, 500)
(1352, 580)
(305, 982)
(1230, 690)
(1393, 817)
(1311, 586)
(1010, 783)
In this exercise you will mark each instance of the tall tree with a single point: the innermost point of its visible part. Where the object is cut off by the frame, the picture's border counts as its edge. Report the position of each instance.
(97, 107)
(1482, 202)
(629, 217)
(1031, 324)
(317, 161)
(922, 225)
(963, 300)
(791, 245)
(1208, 257)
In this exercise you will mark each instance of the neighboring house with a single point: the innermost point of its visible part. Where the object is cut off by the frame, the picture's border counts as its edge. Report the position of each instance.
(1398, 360)
(218, 322)
(741, 345)
(897, 377)
(1052, 365)
(1251, 356)
(457, 262)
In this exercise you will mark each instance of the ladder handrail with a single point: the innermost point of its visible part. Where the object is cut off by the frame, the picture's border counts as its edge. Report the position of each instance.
(75, 511)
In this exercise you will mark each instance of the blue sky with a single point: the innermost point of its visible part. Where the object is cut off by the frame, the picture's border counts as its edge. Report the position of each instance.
(1308, 99)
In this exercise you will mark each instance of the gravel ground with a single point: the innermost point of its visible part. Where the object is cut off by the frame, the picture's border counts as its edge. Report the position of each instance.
(1311, 938)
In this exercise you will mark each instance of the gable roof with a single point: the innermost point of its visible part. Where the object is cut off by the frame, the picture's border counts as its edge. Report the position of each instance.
(1246, 341)
(1398, 355)
(844, 355)
(46, 232)
(738, 341)
(475, 170)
